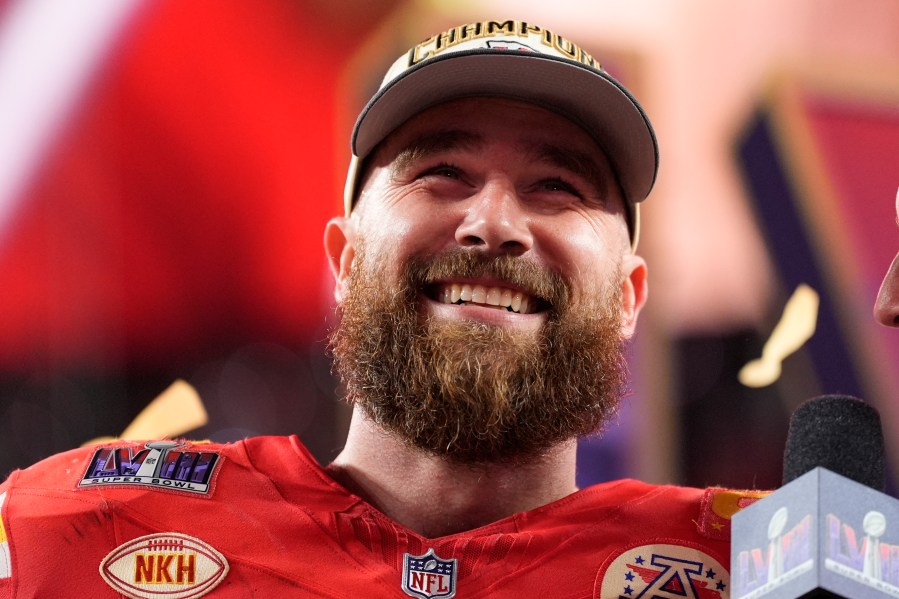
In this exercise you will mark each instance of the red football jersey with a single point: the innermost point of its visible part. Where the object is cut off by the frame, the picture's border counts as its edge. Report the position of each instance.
(260, 518)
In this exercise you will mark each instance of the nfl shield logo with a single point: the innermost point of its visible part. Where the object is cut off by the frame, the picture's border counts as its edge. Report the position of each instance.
(429, 577)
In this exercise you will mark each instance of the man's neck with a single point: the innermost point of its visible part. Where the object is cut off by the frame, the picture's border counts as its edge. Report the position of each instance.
(435, 497)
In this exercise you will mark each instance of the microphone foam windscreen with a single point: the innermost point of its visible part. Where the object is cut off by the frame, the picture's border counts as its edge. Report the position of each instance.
(837, 432)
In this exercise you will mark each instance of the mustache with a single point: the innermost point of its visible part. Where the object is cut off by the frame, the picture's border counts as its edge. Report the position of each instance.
(533, 279)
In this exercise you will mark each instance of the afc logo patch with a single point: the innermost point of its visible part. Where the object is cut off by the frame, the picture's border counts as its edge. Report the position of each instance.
(662, 570)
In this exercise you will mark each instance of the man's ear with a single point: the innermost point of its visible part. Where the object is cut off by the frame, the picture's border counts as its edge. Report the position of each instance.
(340, 250)
(634, 291)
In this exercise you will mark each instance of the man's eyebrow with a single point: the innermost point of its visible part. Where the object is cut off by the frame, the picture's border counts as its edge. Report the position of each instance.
(582, 164)
(433, 143)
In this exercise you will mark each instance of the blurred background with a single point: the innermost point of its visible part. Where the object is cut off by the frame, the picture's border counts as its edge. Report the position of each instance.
(167, 168)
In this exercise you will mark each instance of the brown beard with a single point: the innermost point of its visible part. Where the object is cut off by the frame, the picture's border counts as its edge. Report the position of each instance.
(468, 391)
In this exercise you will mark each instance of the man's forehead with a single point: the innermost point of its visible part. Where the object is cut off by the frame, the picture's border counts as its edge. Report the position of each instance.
(460, 125)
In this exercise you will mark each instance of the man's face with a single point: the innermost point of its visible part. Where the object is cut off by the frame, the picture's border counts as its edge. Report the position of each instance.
(486, 282)
(886, 309)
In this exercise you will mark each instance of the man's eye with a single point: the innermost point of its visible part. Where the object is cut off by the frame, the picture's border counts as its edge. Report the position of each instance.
(443, 170)
(559, 185)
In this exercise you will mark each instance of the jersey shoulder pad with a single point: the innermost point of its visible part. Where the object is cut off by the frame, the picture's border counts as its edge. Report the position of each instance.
(719, 504)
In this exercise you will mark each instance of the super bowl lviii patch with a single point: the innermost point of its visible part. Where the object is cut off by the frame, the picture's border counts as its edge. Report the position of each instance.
(170, 564)
(5, 561)
(663, 570)
(169, 465)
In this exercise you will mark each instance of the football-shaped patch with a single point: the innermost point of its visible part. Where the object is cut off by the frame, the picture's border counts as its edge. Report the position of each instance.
(167, 564)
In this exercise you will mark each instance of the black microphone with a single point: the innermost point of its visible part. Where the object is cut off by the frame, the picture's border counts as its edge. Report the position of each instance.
(825, 533)
(837, 432)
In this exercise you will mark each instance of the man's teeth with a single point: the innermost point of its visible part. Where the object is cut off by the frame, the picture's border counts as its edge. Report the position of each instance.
(500, 297)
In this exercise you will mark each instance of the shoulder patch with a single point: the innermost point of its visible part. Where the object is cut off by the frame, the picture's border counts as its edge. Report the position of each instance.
(166, 465)
(167, 564)
(718, 507)
(663, 570)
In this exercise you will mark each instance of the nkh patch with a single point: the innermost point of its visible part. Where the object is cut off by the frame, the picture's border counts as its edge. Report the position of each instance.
(428, 576)
(168, 564)
(663, 571)
(5, 560)
(169, 465)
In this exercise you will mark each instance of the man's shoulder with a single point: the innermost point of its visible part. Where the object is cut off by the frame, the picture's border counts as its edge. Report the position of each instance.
(182, 466)
(708, 509)
(116, 463)
(722, 502)
(630, 490)
(106, 505)
(154, 485)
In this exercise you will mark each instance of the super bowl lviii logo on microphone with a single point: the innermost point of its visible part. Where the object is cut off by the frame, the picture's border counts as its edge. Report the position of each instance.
(863, 557)
(786, 555)
(820, 532)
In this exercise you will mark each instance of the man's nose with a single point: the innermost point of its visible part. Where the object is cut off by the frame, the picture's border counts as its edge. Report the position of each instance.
(496, 221)
(886, 309)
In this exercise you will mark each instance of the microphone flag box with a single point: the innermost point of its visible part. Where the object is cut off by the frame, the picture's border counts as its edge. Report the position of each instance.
(821, 535)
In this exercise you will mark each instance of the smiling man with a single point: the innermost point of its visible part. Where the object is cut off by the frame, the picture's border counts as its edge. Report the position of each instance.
(487, 283)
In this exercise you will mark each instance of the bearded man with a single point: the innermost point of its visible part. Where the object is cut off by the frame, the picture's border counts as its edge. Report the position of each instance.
(487, 281)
